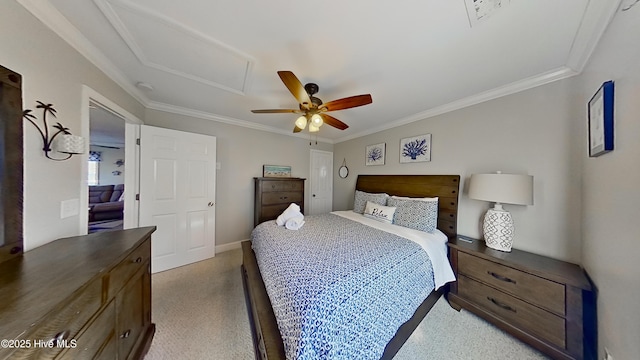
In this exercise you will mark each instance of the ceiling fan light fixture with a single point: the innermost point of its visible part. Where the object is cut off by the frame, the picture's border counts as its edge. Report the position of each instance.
(316, 120)
(301, 122)
(313, 128)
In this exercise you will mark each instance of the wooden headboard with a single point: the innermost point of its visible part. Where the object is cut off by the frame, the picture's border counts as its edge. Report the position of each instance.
(445, 187)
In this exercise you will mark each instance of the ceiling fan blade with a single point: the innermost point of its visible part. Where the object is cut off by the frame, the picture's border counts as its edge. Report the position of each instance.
(331, 121)
(295, 87)
(277, 111)
(348, 102)
(296, 129)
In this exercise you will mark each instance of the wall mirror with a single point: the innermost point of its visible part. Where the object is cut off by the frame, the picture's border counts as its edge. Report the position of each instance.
(343, 172)
(10, 164)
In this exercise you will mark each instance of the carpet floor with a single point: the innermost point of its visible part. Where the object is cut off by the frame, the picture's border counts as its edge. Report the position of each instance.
(200, 313)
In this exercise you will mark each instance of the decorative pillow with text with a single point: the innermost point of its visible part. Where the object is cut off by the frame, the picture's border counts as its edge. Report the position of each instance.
(379, 212)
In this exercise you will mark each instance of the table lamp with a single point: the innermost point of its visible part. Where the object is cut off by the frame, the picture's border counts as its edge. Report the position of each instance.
(500, 188)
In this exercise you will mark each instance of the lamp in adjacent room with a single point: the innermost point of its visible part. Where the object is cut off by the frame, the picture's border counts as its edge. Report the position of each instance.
(500, 188)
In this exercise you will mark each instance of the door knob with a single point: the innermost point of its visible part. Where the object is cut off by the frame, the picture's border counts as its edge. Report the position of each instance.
(210, 204)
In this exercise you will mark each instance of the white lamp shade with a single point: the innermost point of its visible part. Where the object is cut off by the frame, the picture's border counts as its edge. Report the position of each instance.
(70, 144)
(316, 120)
(502, 188)
(313, 128)
(301, 122)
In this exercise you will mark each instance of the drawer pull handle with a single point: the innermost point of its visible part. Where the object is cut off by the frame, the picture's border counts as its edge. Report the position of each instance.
(125, 334)
(499, 304)
(283, 198)
(500, 277)
(63, 335)
(138, 260)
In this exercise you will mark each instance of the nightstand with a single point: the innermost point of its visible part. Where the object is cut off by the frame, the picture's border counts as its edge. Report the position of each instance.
(547, 303)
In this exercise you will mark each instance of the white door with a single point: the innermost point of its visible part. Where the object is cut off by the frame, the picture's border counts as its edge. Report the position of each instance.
(321, 182)
(177, 194)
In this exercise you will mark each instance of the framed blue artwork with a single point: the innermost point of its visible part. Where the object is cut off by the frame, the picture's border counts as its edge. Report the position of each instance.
(600, 112)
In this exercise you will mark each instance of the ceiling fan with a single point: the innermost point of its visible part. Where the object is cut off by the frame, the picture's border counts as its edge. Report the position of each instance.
(313, 110)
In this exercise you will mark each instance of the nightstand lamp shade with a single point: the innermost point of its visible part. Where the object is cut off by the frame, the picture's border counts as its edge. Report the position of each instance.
(500, 188)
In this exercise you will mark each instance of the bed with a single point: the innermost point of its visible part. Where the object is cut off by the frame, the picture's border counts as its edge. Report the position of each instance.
(267, 338)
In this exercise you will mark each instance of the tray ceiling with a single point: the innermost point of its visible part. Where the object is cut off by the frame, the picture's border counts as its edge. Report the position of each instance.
(218, 59)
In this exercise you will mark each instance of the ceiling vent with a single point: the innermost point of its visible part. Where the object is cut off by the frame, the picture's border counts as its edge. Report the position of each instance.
(480, 10)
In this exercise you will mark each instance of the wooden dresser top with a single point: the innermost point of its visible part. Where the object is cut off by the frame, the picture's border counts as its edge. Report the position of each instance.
(33, 284)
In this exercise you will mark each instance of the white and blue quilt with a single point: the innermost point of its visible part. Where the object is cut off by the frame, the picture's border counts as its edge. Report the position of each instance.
(340, 289)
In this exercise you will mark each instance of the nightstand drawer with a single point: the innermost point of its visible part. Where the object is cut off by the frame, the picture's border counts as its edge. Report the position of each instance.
(541, 292)
(530, 318)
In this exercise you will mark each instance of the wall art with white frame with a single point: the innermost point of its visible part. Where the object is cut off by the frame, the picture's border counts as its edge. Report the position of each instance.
(415, 149)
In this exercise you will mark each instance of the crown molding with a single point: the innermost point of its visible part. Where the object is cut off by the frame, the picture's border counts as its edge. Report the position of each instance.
(515, 87)
(597, 17)
(595, 20)
(54, 20)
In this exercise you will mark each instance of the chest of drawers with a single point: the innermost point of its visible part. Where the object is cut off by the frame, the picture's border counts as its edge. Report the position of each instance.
(274, 195)
(547, 303)
(84, 297)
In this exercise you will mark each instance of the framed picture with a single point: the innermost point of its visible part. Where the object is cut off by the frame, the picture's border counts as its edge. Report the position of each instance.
(374, 154)
(415, 149)
(600, 112)
(276, 171)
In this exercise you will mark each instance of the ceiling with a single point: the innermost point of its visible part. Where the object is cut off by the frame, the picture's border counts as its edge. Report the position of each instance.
(217, 60)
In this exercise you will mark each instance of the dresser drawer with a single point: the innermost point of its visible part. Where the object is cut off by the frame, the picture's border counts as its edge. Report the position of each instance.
(95, 340)
(292, 185)
(528, 317)
(281, 197)
(541, 292)
(272, 185)
(64, 323)
(271, 212)
(128, 267)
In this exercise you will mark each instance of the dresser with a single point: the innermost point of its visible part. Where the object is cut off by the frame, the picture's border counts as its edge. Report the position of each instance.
(274, 195)
(83, 297)
(547, 303)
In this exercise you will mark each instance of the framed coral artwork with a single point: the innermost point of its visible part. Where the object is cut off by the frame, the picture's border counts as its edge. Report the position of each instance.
(415, 149)
(375, 154)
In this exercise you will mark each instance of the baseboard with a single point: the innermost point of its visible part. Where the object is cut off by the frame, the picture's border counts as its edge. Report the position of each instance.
(229, 246)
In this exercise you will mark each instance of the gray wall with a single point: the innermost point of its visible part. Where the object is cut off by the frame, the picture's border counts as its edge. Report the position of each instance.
(52, 72)
(241, 153)
(585, 210)
(527, 133)
(610, 189)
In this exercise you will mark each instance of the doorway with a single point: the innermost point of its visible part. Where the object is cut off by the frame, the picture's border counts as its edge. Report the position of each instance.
(111, 166)
(106, 170)
(321, 182)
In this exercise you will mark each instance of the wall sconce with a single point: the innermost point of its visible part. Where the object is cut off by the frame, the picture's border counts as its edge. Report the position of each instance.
(65, 143)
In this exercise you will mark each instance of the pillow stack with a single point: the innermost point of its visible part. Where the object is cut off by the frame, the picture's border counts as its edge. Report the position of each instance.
(414, 213)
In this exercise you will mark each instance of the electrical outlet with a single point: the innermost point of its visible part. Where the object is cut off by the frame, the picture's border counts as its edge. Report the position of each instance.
(607, 355)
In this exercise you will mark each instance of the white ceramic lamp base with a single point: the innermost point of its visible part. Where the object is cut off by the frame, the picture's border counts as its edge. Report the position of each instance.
(498, 229)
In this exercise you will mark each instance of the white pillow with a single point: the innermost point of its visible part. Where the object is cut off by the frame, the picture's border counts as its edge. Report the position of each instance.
(379, 212)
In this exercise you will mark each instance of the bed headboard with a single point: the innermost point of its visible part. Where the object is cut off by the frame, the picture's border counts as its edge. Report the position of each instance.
(445, 187)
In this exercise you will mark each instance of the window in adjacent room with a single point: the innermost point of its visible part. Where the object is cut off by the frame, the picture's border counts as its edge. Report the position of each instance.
(93, 173)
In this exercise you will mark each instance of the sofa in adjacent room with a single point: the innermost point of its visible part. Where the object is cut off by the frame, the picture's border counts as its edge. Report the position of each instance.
(106, 202)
